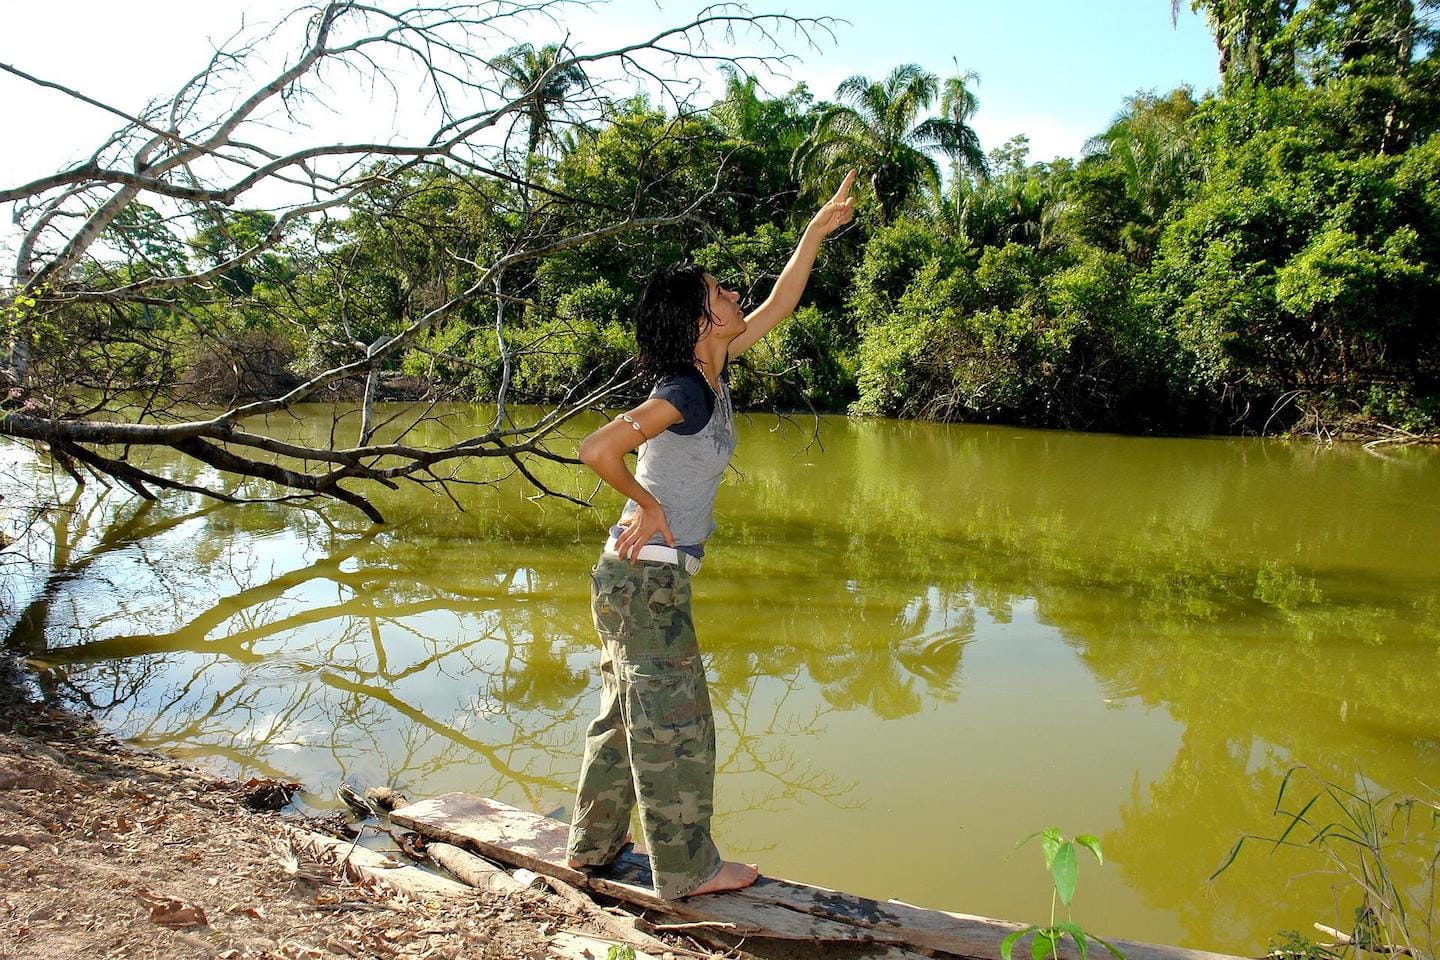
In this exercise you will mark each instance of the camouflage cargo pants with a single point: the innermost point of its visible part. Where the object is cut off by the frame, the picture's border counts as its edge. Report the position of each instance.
(653, 744)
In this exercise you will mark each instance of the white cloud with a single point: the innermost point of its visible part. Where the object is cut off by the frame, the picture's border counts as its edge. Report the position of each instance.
(1050, 136)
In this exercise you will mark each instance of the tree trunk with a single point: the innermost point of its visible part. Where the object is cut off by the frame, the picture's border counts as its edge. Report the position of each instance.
(367, 404)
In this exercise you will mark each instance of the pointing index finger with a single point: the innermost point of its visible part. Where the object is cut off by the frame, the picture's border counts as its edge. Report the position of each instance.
(844, 192)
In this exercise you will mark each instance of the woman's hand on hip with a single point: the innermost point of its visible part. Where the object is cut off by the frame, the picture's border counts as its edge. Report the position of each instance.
(640, 528)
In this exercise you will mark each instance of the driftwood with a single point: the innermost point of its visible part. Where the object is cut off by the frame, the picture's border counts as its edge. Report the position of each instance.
(353, 799)
(364, 865)
(1343, 939)
(528, 879)
(386, 798)
(626, 929)
(472, 870)
(1400, 437)
(572, 944)
(484, 875)
(975, 936)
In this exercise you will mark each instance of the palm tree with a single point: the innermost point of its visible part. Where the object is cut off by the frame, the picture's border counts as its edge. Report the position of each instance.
(876, 129)
(546, 80)
(1151, 146)
(958, 104)
(746, 115)
(741, 113)
(1020, 207)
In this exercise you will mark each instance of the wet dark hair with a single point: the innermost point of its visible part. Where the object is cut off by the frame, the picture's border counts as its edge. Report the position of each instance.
(672, 311)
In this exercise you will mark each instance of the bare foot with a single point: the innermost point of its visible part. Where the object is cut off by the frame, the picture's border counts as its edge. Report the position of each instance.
(577, 865)
(732, 876)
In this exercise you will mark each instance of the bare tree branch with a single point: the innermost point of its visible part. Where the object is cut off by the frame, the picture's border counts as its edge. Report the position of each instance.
(148, 232)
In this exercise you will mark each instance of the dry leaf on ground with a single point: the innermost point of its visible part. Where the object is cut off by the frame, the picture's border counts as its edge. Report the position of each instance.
(169, 912)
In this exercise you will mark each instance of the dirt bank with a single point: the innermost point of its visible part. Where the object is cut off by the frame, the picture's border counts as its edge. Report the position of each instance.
(110, 852)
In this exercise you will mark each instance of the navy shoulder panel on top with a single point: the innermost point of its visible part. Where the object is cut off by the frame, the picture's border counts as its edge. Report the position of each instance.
(691, 395)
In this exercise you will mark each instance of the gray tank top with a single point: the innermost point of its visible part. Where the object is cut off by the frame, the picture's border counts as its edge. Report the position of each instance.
(683, 470)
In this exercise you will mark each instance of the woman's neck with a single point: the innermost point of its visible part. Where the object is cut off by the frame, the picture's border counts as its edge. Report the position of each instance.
(710, 359)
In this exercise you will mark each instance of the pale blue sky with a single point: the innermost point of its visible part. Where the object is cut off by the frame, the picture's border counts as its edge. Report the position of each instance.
(1053, 69)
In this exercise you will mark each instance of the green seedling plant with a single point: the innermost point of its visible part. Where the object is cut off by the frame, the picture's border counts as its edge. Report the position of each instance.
(1063, 863)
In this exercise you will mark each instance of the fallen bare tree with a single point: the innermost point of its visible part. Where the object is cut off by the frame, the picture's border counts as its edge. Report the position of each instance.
(173, 217)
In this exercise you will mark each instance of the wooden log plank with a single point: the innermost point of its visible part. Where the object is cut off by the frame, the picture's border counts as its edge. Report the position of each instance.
(726, 946)
(961, 934)
(536, 842)
(503, 833)
(1138, 950)
(958, 934)
(629, 880)
(985, 933)
(494, 829)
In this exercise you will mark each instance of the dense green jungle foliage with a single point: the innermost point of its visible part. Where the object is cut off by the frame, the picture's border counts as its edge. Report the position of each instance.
(1263, 257)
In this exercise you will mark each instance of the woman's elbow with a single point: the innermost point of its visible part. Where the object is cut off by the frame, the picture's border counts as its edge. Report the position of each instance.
(590, 451)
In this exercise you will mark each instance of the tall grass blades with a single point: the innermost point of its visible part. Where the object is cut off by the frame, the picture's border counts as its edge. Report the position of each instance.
(1386, 846)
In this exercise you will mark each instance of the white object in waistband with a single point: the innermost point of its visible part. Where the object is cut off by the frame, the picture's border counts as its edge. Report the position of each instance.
(660, 553)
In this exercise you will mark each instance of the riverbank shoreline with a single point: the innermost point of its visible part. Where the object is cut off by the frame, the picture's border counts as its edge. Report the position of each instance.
(110, 851)
(397, 387)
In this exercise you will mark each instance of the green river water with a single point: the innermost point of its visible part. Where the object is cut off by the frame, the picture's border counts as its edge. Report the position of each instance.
(925, 642)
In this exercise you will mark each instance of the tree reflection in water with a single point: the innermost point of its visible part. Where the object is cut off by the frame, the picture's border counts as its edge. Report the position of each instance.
(307, 652)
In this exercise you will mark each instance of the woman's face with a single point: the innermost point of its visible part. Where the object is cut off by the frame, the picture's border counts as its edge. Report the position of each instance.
(727, 321)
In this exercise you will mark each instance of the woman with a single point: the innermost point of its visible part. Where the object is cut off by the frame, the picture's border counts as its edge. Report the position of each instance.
(654, 740)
